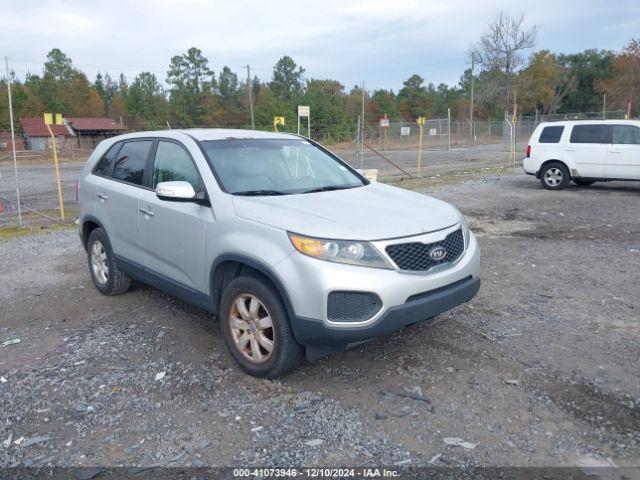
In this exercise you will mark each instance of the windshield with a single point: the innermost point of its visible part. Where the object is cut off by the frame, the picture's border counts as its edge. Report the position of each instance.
(276, 167)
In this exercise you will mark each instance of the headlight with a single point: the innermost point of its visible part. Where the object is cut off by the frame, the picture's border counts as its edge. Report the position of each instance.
(341, 251)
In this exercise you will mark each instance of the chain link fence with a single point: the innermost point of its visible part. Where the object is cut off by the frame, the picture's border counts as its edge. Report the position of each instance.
(448, 146)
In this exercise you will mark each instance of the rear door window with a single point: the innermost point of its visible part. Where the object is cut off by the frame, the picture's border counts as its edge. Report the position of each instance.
(103, 168)
(131, 160)
(590, 134)
(626, 135)
(551, 134)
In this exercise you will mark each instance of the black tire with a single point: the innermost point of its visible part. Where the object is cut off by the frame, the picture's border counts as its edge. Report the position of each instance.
(583, 183)
(286, 353)
(555, 176)
(114, 282)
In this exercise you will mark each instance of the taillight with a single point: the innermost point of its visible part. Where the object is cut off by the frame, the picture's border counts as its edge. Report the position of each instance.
(77, 190)
(528, 151)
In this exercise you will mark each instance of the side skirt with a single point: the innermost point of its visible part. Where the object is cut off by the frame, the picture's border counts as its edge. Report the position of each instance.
(144, 275)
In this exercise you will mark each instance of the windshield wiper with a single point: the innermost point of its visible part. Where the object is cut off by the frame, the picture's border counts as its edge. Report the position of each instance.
(256, 193)
(329, 188)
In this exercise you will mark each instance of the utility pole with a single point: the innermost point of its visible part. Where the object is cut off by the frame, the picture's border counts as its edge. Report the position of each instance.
(362, 126)
(249, 90)
(473, 64)
(13, 140)
(604, 106)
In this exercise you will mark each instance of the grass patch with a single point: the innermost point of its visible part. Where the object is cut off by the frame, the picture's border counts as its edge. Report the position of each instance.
(8, 233)
(34, 224)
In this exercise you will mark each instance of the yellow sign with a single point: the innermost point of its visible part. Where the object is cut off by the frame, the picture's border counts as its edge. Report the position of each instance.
(278, 121)
(421, 120)
(53, 119)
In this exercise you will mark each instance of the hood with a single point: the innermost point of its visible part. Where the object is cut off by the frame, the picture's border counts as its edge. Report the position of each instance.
(372, 212)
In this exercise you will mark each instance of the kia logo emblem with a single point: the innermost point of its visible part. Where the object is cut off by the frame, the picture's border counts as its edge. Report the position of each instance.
(437, 253)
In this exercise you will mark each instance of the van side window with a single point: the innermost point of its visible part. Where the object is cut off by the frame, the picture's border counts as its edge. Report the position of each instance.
(132, 158)
(626, 135)
(103, 168)
(551, 134)
(590, 134)
(173, 163)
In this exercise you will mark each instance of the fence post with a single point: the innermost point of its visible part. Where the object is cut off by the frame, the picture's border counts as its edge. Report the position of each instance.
(420, 149)
(448, 129)
(57, 166)
(358, 144)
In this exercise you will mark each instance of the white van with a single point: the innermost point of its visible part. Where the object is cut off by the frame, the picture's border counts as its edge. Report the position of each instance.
(584, 151)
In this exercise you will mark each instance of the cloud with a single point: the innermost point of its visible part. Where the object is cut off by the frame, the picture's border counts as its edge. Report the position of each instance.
(381, 42)
(622, 26)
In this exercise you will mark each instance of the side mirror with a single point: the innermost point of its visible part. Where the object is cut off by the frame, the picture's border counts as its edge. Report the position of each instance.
(176, 191)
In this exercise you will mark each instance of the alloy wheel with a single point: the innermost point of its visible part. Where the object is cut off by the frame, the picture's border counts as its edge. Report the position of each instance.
(251, 328)
(99, 262)
(553, 177)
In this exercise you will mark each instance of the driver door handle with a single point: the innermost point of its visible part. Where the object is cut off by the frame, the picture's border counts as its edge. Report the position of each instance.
(147, 212)
(102, 196)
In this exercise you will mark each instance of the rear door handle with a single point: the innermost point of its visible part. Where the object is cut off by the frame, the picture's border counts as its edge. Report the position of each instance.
(614, 151)
(571, 149)
(102, 196)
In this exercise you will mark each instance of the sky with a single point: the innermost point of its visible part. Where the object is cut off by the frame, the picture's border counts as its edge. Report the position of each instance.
(378, 42)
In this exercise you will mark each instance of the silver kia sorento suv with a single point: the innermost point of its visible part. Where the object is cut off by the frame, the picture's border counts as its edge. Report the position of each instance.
(293, 250)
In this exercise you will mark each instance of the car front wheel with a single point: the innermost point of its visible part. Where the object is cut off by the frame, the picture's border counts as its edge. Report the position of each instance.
(555, 176)
(256, 328)
(106, 276)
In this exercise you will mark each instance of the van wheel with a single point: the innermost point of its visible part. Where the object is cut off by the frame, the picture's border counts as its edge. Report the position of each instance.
(583, 183)
(256, 328)
(555, 176)
(105, 274)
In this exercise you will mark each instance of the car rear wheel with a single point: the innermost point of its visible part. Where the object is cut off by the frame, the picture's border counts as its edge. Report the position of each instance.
(555, 176)
(583, 183)
(256, 328)
(106, 276)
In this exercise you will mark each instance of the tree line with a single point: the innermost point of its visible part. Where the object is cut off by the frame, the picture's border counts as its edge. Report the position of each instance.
(192, 94)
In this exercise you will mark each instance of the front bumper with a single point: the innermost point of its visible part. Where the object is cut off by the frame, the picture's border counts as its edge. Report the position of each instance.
(310, 281)
(311, 332)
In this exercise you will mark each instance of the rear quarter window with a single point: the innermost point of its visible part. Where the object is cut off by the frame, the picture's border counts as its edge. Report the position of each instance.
(551, 134)
(132, 159)
(103, 168)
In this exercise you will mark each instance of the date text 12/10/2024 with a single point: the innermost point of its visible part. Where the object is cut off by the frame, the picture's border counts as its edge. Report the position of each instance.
(315, 472)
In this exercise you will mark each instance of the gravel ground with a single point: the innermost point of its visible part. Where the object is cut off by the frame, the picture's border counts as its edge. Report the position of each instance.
(540, 369)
